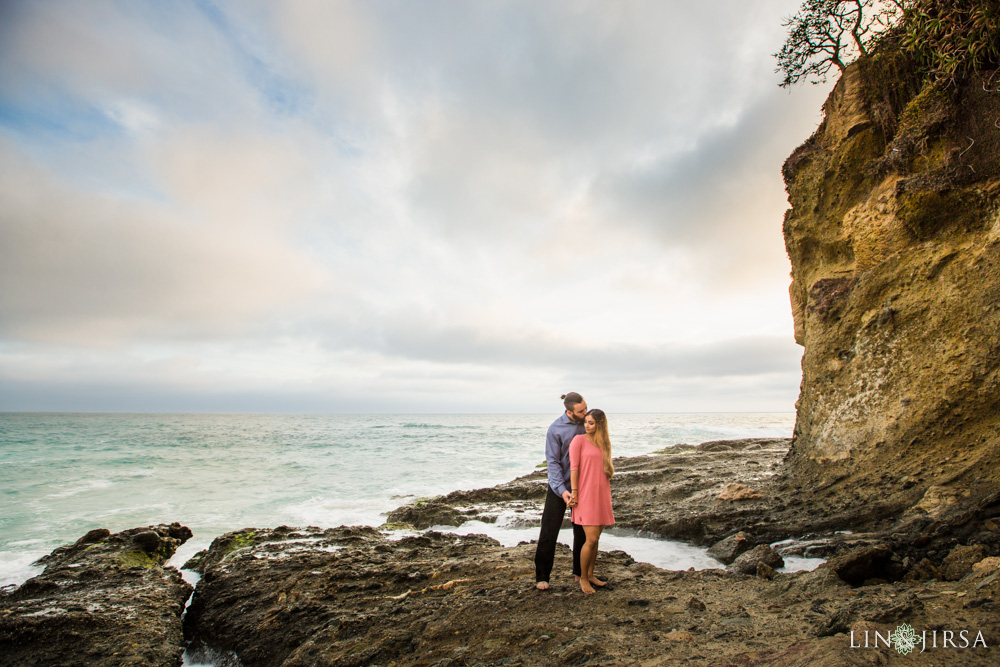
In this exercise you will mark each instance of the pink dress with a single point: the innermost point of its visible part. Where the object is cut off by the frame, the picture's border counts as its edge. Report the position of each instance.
(593, 491)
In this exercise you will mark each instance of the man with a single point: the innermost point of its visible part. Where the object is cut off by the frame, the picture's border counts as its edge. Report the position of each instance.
(557, 495)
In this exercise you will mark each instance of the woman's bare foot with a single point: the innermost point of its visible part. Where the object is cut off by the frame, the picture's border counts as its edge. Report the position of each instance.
(597, 582)
(542, 585)
(586, 587)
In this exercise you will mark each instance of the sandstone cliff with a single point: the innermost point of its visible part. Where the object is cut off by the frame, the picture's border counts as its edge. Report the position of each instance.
(894, 240)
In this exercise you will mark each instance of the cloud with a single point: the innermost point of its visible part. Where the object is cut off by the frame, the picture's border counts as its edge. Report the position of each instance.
(720, 199)
(90, 269)
(744, 356)
(751, 374)
(358, 203)
(84, 52)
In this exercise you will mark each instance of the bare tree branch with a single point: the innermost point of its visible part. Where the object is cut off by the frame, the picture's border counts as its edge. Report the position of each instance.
(831, 33)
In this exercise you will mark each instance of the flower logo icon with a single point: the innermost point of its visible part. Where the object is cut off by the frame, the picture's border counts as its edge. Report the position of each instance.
(905, 638)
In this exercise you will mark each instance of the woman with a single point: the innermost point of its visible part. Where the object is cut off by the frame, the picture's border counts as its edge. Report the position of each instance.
(590, 478)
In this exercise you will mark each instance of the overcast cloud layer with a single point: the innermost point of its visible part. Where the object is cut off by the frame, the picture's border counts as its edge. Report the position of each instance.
(395, 206)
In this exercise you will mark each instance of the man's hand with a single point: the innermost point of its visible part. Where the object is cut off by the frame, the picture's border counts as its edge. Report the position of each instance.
(566, 496)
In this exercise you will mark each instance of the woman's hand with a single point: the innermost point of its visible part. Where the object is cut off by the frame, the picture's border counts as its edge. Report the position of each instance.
(572, 499)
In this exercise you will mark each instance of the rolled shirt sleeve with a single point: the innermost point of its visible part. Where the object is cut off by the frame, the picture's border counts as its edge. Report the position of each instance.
(557, 441)
(554, 459)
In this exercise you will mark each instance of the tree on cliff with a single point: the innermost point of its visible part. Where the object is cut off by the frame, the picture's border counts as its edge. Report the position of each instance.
(828, 33)
(948, 38)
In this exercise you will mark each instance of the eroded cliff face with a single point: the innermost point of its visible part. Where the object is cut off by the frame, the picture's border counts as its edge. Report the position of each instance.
(894, 240)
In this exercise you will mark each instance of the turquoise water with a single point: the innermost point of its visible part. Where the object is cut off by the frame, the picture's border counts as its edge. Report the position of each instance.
(65, 474)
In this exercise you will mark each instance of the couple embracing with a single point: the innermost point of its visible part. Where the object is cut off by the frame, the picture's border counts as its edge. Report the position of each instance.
(578, 455)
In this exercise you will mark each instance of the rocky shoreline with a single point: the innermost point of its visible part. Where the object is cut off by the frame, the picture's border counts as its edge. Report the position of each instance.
(355, 596)
(674, 494)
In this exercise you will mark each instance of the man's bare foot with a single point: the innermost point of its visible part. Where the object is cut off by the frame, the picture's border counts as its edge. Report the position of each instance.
(576, 578)
(586, 587)
(542, 585)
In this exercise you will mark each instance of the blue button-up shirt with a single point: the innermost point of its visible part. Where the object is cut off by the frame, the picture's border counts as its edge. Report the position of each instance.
(557, 439)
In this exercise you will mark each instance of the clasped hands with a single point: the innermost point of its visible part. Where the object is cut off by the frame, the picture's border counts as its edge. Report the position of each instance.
(569, 498)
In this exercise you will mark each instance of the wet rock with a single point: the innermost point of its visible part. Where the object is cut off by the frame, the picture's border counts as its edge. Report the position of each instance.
(95, 535)
(148, 541)
(579, 651)
(835, 623)
(922, 571)
(879, 608)
(960, 560)
(747, 562)
(104, 600)
(426, 514)
(987, 565)
(861, 564)
(937, 500)
(765, 571)
(696, 605)
(725, 551)
(736, 491)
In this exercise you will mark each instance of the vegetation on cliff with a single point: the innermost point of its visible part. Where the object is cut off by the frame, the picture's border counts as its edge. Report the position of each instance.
(946, 40)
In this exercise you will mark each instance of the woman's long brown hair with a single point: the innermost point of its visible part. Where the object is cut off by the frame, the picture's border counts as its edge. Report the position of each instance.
(602, 440)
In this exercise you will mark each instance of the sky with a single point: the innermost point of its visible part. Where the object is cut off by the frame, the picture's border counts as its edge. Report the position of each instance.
(395, 206)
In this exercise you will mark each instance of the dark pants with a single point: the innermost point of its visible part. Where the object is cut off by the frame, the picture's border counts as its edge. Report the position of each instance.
(552, 518)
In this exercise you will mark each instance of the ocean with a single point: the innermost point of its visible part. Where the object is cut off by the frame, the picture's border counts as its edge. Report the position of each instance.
(65, 474)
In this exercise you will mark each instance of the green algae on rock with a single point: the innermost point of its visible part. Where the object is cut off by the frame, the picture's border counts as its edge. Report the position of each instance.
(107, 599)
